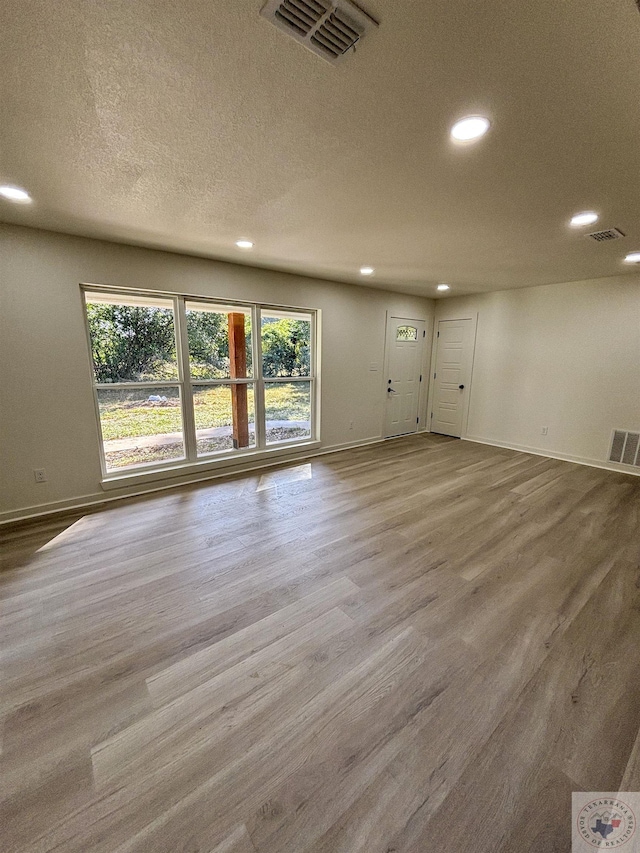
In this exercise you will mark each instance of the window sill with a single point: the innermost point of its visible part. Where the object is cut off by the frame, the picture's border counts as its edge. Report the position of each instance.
(226, 465)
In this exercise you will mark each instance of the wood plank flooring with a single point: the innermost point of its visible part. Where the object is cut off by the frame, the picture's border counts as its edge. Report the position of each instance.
(412, 647)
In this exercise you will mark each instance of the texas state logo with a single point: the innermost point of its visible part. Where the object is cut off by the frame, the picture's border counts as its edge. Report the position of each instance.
(604, 822)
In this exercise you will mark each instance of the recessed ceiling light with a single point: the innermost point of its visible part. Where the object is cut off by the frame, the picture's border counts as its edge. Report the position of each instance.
(470, 128)
(632, 258)
(367, 270)
(244, 244)
(14, 193)
(443, 287)
(588, 217)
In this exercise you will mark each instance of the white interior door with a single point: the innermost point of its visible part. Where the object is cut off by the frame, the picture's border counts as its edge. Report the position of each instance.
(403, 362)
(454, 356)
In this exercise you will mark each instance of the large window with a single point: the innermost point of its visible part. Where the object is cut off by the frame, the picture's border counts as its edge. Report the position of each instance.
(179, 379)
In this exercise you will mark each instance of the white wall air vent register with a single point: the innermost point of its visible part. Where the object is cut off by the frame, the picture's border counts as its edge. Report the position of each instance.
(606, 235)
(625, 448)
(330, 28)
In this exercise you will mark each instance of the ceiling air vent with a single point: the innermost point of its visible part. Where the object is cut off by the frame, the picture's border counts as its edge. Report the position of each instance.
(625, 448)
(603, 236)
(330, 28)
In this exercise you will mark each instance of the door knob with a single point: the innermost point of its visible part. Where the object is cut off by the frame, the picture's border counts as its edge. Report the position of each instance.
(461, 387)
(390, 391)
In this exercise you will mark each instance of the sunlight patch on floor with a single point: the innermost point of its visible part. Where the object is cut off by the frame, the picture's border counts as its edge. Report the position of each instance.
(272, 479)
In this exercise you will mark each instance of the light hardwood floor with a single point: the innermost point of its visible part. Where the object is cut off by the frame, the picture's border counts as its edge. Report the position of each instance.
(419, 646)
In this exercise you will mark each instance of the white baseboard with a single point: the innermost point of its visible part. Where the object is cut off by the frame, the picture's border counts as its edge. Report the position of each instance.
(85, 501)
(550, 454)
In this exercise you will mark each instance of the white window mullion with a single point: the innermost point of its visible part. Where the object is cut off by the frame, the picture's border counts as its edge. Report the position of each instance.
(211, 383)
(315, 385)
(184, 374)
(124, 386)
(261, 431)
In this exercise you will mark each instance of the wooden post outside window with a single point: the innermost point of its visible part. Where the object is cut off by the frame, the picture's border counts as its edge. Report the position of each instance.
(238, 368)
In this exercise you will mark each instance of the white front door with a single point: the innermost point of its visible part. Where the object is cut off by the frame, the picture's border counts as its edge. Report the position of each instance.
(452, 371)
(403, 378)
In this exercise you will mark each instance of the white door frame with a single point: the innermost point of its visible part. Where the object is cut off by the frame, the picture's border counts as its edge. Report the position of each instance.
(473, 316)
(422, 425)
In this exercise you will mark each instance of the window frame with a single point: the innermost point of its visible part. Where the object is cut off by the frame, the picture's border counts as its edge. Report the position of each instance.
(274, 380)
(185, 384)
(194, 458)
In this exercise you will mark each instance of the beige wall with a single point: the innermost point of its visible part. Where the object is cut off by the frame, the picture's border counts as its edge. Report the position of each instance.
(565, 356)
(47, 418)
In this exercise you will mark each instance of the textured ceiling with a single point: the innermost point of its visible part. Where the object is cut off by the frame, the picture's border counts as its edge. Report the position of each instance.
(189, 125)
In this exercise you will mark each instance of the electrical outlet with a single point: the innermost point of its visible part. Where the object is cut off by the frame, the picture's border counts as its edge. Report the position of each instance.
(545, 430)
(40, 475)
